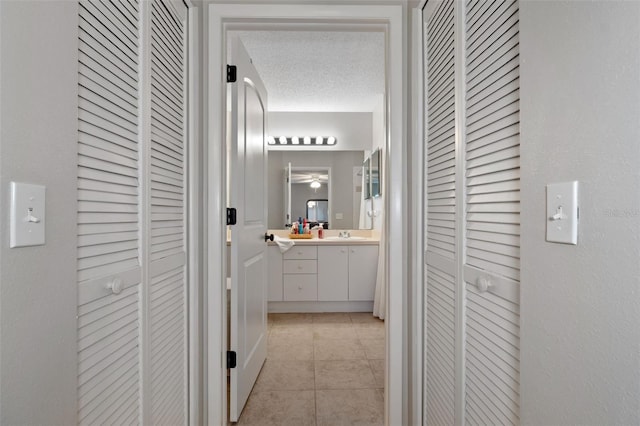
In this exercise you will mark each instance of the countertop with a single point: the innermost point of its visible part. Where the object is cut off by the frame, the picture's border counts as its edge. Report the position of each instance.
(334, 241)
(361, 237)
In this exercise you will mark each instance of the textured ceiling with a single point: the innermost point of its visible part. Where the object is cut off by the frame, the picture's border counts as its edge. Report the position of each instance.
(318, 71)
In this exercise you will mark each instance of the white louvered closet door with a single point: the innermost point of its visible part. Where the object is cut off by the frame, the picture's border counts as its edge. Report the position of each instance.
(439, 54)
(492, 150)
(132, 330)
(472, 239)
(167, 291)
(108, 214)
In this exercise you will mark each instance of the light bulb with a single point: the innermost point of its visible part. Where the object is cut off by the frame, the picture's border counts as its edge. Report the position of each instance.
(307, 140)
(295, 140)
(319, 140)
(283, 140)
(331, 140)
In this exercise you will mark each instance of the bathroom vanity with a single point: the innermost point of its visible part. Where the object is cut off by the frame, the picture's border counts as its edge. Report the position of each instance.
(323, 275)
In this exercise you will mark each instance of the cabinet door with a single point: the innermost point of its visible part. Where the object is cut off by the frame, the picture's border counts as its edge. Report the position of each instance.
(300, 287)
(275, 273)
(333, 273)
(363, 270)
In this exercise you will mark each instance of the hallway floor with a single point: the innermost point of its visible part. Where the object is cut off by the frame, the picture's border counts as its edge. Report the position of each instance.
(321, 369)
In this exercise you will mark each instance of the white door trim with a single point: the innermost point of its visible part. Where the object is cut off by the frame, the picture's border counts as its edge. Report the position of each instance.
(396, 203)
(417, 221)
(194, 217)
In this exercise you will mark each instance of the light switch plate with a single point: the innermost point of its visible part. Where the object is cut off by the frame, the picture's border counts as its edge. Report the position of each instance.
(562, 212)
(27, 216)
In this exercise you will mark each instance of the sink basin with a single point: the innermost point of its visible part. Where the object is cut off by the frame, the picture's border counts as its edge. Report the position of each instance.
(345, 238)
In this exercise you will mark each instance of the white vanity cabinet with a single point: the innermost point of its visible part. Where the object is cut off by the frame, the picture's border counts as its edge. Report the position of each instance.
(347, 272)
(323, 277)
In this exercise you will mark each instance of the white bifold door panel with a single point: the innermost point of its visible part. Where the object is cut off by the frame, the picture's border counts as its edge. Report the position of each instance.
(473, 212)
(249, 281)
(132, 313)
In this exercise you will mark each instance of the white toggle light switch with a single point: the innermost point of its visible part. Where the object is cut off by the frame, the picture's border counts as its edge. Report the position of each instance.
(27, 215)
(562, 212)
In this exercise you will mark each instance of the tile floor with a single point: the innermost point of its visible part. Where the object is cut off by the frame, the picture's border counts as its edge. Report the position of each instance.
(321, 369)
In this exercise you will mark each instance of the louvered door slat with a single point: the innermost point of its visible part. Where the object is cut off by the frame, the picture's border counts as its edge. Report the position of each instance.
(492, 216)
(106, 89)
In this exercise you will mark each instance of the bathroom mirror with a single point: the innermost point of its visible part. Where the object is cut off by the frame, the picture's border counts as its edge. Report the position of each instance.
(375, 170)
(343, 186)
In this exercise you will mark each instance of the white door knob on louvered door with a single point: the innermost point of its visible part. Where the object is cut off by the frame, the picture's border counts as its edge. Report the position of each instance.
(483, 284)
(115, 285)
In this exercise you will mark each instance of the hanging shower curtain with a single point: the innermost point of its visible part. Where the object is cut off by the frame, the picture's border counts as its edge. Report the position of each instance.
(380, 297)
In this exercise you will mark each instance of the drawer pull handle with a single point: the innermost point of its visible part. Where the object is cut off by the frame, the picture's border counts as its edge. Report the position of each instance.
(299, 266)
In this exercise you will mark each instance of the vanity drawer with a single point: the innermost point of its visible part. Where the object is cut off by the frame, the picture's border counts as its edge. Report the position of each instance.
(301, 252)
(300, 267)
(300, 287)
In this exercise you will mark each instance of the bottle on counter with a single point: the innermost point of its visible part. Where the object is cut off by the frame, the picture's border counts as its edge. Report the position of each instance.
(321, 231)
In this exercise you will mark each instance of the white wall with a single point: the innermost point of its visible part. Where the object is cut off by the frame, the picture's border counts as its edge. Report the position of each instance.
(38, 143)
(351, 129)
(580, 106)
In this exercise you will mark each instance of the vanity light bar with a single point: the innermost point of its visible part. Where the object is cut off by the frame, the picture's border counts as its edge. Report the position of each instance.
(301, 140)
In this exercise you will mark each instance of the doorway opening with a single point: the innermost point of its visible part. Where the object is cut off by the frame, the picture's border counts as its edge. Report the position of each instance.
(380, 18)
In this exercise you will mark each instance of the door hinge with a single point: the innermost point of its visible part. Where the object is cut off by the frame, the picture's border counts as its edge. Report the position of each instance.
(231, 359)
(232, 73)
(231, 216)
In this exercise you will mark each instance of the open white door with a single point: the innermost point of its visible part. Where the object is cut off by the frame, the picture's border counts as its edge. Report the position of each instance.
(248, 171)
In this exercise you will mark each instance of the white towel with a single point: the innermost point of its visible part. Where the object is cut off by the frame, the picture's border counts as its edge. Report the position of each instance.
(284, 244)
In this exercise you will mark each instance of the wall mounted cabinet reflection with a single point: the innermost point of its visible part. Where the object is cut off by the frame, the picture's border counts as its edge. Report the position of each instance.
(375, 171)
(366, 173)
(372, 172)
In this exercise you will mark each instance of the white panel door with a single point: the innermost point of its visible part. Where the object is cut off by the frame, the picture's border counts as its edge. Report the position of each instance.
(249, 249)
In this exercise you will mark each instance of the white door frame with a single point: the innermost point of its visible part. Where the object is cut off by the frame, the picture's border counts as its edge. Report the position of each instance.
(391, 18)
